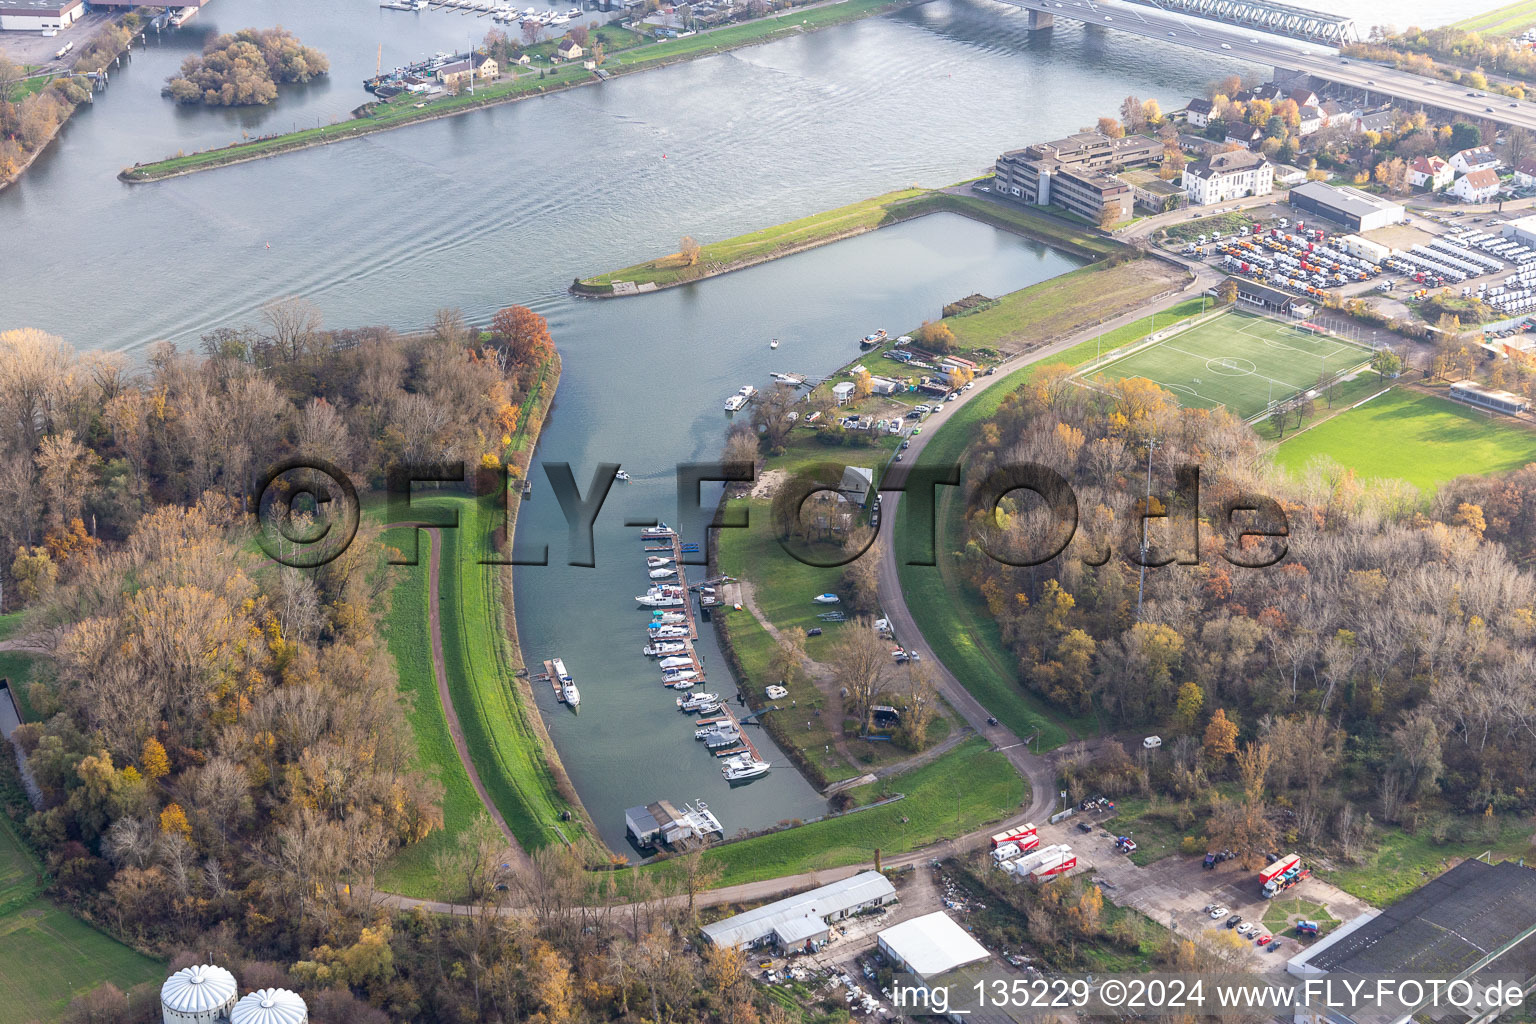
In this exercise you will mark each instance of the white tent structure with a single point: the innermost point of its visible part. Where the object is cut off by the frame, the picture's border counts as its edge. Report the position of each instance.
(201, 994)
(930, 945)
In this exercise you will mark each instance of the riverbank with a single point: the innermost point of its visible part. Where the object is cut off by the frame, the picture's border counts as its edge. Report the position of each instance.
(473, 711)
(400, 112)
(824, 228)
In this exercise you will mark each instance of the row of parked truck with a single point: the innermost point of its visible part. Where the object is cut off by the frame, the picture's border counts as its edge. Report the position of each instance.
(1018, 852)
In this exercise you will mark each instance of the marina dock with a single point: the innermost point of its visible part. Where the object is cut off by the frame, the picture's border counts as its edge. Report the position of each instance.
(668, 543)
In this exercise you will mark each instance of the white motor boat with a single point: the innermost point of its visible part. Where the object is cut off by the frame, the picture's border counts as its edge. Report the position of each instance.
(659, 601)
(662, 574)
(740, 398)
(670, 632)
(743, 767)
(695, 701)
(621, 475)
(675, 662)
(680, 675)
(826, 599)
(774, 343)
(657, 650)
(657, 562)
(682, 684)
(568, 691)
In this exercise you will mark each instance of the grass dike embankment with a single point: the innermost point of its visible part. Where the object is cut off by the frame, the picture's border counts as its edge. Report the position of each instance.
(830, 226)
(621, 60)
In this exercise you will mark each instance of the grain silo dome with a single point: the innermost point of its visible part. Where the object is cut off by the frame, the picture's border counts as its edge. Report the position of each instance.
(270, 1006)
(200, 994)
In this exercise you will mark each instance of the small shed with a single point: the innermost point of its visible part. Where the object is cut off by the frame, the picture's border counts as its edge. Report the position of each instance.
(801, 934)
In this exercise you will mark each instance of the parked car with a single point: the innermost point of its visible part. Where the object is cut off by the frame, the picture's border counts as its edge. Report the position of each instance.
(905, 445)
(1152, 742)
(1263, 940)
(1217, 913)
(1083, 826)
(813, 632)
(1234, 921)
(1210, 861)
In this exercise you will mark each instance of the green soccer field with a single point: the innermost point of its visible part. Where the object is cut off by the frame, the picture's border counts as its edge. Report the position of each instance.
(1239, 361)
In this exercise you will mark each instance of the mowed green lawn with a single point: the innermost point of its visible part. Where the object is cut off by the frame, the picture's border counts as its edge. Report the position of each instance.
(1239, 361)
(48, 957)
(1415, 437)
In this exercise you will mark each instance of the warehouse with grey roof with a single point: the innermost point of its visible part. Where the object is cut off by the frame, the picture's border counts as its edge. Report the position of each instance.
(796, 922)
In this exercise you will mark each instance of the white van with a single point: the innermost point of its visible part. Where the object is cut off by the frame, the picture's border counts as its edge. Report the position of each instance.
(1152, 742)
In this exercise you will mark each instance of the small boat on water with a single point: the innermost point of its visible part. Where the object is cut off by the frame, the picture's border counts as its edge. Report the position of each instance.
(568, 692)
(873, 339)
(657, 562)
(659, 601)
(661, 574)
(675, 661)
(682, 684)
(774, 343)
(669, 632)
(659, 618)
(621, 475)
(661, 531)
(740, 398)
(678, 675)
(743, 767)
(788, 380)
(716, 737)
(661, 649)
(695, 701)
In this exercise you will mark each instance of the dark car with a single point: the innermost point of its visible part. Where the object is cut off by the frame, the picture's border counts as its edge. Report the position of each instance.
(1234, 921)
(905, 445)
(813, 632)
(1083, 826)
(1210, 861)
(991, 720)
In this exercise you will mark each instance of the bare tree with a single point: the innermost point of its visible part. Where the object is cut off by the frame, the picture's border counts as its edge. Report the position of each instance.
(292, 325)
(860, 664)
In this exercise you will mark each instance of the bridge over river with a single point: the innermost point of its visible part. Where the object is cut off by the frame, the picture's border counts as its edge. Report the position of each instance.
(1292, 40)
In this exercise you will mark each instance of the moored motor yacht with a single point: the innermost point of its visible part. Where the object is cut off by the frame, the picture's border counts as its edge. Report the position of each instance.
(743, 767)
(695, 701)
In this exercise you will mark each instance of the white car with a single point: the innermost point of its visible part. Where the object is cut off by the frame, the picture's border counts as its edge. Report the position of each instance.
(1246, 929)
(1217, 913)
(1152, 742)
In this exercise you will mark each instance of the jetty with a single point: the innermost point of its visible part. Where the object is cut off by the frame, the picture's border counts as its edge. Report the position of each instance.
(664, 541)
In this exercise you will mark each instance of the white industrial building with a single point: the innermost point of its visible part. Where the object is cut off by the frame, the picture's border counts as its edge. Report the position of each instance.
(39, 15)
(1521, 229)
(929, 946)
(202, 994)
(206, 994)
(270, 1006)
(1356, 210)
(798, 921)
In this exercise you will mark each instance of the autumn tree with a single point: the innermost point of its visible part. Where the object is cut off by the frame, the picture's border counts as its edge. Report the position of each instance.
(860, 662)
(1109, 126)
(1226, 292)
(922, 704)
(689, 250)
(153, 760)
(1132, 115)
(524, 333)
(1191, 699)
(936, 336)
(1220, 736)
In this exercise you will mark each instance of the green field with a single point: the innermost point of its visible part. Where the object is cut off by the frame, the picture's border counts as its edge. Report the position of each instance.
(1415, 437)
(1501, 21)
(49, 957)
(959, 793)
(1402, 861)
(1239, 361)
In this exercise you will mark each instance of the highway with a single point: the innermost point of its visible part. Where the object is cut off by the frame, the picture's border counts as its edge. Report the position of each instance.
(1374, 81)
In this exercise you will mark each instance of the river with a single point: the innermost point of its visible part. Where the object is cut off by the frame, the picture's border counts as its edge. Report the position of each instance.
(509, 204)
